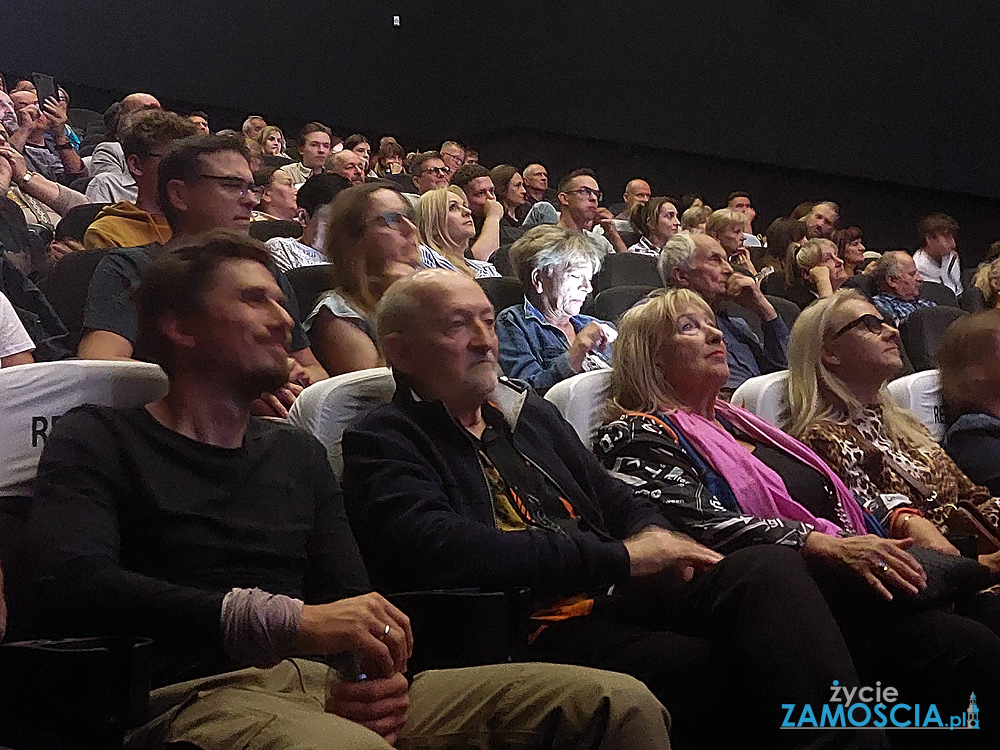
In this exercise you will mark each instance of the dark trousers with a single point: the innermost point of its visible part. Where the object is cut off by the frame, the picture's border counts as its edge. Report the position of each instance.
(724, 651)
(935, 656)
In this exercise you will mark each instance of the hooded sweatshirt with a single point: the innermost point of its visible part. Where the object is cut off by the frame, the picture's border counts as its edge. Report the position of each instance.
(126, 225)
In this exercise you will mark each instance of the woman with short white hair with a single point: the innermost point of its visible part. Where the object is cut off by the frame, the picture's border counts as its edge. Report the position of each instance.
(546, 339)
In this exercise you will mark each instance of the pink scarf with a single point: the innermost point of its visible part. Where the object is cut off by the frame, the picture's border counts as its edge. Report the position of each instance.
(758, 488)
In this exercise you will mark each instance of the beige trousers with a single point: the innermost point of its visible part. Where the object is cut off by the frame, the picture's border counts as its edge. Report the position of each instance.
(501, 706)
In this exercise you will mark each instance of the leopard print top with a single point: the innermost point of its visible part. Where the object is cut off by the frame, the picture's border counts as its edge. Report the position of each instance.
(858, 454)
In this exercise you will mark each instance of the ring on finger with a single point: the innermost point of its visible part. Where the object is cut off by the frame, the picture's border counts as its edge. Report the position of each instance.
(883, 566)
(382, 635)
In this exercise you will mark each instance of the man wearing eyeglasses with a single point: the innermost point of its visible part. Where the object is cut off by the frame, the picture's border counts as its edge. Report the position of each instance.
(897, 282)
(580, 197)
(429, 172)
(136, 221)
(204, 183)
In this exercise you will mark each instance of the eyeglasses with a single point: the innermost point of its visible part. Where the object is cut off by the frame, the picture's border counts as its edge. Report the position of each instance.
(236, 185)
(392, 219)
(871, 323)
(442, 171)
(589, 192)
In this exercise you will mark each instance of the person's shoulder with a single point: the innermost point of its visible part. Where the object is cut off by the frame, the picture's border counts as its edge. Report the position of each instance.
(92, 423)
(512, 315)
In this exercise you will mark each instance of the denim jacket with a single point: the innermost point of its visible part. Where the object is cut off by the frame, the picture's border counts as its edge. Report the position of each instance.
(535, 351)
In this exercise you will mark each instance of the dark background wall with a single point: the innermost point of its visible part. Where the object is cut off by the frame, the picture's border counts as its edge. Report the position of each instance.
(889, 109)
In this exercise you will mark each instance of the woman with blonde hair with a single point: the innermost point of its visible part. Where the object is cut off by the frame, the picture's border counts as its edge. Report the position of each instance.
(813, 270)
(445, 226)
(841, 355)
(987, 281)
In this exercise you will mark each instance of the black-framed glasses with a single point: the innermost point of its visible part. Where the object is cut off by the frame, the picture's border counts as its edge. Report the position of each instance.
(392, 219)
(442, 171)
(589, 192)
(235, 184)
(871, 323)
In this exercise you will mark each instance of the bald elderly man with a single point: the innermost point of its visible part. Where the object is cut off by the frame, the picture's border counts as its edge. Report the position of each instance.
(349, 165)
(109, 155)
(470, 480)
(536, 188)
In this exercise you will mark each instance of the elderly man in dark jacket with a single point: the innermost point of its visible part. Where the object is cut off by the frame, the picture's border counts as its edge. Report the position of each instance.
(466, 480)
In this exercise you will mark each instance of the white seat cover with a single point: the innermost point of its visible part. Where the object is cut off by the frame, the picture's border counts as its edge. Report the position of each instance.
(766, 396)
(921, 394)
(582, 401)
(325, 409)
(33, 396)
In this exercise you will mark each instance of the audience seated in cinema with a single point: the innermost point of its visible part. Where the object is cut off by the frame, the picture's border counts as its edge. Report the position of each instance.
(987, 281)
(429, 172)
(820, 219)
(726, 226)
(277, 197)
(579, 210)
(272, 147)
(42, 201)
(547, 339)
(536, 187)
(636, 192)
(969, 362)
(388, 160)
(253, 126)
(740, 201)
(655, 221)
(252, 571)
(200, 121)
(698, 262)
(548, 517)
(452, 154)
(851, 249)
(16, 345)
(813, 270)
(314, 146)
(360, 146)
(350, 165)
(312, 198)
(734, 481)
(937, 259)
(445, 227)
(370, 243)
(145, 139)
(694, 218)
(41, 138)
(842, 354)
(780, 234)
(487, 211)
(109, 156)
(509, 188)
(204, 183)
(897, 286)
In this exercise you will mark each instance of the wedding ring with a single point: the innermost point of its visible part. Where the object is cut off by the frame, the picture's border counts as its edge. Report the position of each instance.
(384, 633)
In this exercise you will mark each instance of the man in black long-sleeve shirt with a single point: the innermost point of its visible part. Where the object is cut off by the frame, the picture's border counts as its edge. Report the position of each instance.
(224, 538)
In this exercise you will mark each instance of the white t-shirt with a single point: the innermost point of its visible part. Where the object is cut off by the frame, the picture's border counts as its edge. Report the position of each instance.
(948, 273)
(288, 253)
(13, 338)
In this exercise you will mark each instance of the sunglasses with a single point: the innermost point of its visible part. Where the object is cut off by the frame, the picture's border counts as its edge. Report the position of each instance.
(871, 323)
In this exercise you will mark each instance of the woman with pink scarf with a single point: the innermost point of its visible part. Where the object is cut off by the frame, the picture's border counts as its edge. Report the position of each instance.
(730, 479)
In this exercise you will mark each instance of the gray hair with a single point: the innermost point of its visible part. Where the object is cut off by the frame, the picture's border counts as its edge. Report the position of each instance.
(721, 220)
(677, 253)
(552, 249)
(887, 265)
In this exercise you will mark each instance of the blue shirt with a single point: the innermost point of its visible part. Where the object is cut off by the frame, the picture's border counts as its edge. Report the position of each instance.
(535, 351)
(895, 309)
(746, 356)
